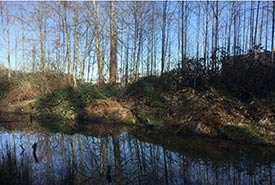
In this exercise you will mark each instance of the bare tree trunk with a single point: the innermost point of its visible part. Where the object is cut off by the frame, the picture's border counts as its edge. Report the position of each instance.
(261, 28)
(76, 47)
(98, 40)
(163, 37)
(77, 56)
(256, 26)
(169, 45)
(42, 43)
(57, 46)
(239, 33)
(235, 28)
(148, 64)
(216, 33)
(213, 33)
(87, 60)
(182, 36)
(122, 61)
(67, 40)
(141, 59)
(8, 49)
(179, 31)
(154, 43)
(127, 57)
(136, 29)
(244, 30)
(139, 50)
(206, 37)
(68, 49)
(229, 30)
(198, 47)
(225, 32)
(272, 37)
(23, 41)
(33, 58)
(113, 52)
(16, 52)
(252, 26)
(266, 28)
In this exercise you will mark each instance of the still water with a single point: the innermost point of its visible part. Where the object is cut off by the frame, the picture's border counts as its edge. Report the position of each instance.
(100, 154)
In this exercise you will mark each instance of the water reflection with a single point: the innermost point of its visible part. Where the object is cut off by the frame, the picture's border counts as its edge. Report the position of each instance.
(44, 157)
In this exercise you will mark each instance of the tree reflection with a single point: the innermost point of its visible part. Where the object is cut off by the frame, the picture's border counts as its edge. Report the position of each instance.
(121, 158)
(116, 145)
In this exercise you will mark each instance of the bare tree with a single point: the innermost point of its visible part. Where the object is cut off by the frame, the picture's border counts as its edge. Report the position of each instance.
(261, 27)
(216, 32)
(163, 31)
(5, 21)
(184, 31)
(113, 51)
(257, 20)
(252, 25)
(76, 46)
(8, 48)
(22, 37)
(98, 41)
(272, 37)
(230, 20)
(41, 39)
(198, 45)
(72, 38)
(206, 35)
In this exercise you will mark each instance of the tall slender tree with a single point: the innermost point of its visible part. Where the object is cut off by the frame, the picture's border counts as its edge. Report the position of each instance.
(98, 43)
(273, 30)
(206, 35)
(42, 42)
(76, 45)
(113, 51)
(163, 38)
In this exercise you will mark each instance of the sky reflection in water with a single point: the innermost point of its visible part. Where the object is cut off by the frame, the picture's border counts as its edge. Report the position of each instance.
(121, 158)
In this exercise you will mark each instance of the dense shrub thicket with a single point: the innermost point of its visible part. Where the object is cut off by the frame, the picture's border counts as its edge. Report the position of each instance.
(249, 79)
(244, 80)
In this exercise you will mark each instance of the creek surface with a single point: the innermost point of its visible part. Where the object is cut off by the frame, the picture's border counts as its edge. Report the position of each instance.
(89, 153)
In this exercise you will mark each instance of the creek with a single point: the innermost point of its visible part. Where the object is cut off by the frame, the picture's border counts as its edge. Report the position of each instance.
(92, 153)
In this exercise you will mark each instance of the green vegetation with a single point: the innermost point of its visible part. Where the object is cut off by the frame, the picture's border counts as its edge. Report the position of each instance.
(172, 103)
(216, 107)
(69, 102)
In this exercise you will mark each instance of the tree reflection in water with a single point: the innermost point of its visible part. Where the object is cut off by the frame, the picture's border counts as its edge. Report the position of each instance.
(121, 158)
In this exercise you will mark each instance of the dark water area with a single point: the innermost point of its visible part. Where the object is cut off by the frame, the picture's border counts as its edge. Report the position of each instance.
(88, 153)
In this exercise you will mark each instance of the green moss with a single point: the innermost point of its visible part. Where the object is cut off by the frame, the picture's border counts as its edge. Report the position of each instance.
(248, 133)
(129, 120)
(151, 117)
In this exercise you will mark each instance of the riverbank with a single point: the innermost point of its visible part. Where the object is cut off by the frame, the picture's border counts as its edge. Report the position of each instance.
(209, 111)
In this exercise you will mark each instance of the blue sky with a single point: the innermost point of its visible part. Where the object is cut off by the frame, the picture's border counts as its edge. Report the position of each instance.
(32, 36)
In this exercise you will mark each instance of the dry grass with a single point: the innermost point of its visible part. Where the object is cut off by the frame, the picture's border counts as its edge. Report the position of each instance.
(109, 111)
(24, 91)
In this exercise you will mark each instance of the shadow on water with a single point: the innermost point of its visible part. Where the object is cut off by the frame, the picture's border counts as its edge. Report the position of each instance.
(101, 154)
